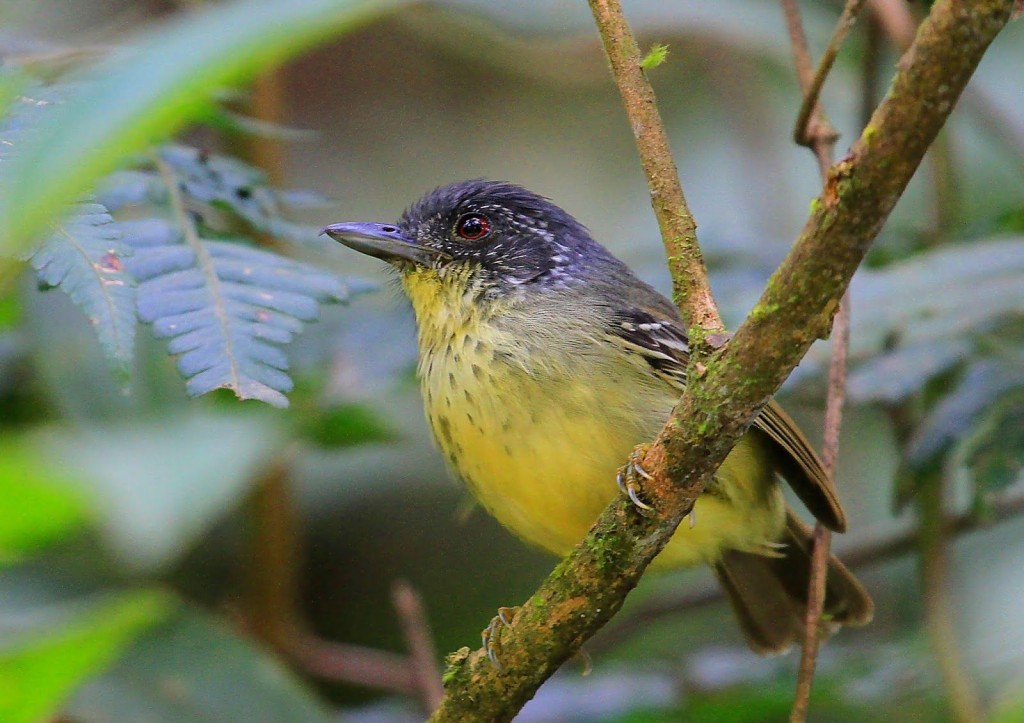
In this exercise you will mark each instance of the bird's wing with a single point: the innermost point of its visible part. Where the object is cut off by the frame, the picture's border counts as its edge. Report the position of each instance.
(659, 340)
(663, 344)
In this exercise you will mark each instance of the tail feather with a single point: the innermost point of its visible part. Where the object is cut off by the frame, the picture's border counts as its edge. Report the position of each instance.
(769, 594)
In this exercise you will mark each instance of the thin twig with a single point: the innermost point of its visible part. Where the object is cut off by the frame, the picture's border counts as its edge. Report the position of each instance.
(812, 90)
(691, 290)
(822, 537)
(273, 540)
(353, 664)
(419, 641)
(821, 140)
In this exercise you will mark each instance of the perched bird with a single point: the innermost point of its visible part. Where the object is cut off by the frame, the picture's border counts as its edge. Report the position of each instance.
(544, 361)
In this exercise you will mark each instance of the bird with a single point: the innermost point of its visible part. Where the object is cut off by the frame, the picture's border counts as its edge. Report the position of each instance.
(544, 361)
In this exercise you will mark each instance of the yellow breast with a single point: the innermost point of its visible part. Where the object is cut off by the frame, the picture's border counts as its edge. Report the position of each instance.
(538, 434)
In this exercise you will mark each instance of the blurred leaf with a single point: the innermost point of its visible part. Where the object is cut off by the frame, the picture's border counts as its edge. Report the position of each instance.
(955, 416)
(219, 301)
(995, 450)
(149, 89)
(83, 257)
(223, 182)
(1009, 707)
(344, 425)
(129, 188)
(158, 484)
(231, 122)
(192, 668)
(36, 504)
(917, 318)
(11, 83)
(39, 669)
(26, 102)
(1010, 220)
(10, 312)
(895, 376)
(944, 293)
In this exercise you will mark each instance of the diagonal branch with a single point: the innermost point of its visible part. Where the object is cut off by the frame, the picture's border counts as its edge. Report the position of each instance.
(587, 588)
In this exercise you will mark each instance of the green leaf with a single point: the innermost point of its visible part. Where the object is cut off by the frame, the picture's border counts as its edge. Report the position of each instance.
(193, 668)
(37, 505)
(655, 56)
(40, 668)
(1009, 705)
(153, 87)
(10, 312)
(344, 425)
(158, 484)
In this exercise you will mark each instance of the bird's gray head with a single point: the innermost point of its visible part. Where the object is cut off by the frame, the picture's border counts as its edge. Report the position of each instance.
(497, 236)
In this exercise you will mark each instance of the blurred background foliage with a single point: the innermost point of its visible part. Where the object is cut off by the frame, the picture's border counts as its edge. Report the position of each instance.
(165, 558)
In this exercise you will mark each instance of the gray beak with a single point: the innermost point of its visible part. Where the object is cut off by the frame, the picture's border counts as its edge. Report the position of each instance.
(383, 241)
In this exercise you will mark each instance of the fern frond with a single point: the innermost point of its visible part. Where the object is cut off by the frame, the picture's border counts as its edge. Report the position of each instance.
(84, 257)
(224, 307)
(229, 184)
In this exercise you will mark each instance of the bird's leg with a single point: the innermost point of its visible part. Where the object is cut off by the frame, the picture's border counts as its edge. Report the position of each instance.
(490, 636)
(630, 476)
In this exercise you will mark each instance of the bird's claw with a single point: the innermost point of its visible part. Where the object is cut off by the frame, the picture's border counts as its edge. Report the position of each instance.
(490, 637)
(629, 480)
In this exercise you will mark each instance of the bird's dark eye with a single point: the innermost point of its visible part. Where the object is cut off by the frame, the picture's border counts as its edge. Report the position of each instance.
(472, 226)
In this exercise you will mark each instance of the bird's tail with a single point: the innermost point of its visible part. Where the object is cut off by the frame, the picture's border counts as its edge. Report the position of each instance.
(769, 594)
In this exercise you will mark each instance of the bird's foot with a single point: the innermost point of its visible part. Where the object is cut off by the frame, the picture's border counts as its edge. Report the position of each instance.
(630, 479)
(491, 635)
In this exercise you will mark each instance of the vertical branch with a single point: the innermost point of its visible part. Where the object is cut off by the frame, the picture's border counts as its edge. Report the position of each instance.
(274, 553)
(268, 104)
(690, 287)
(822, 537)
(814, 130)
(271, 579)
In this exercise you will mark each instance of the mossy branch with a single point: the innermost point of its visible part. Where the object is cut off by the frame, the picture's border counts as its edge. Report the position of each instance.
(587, 588)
